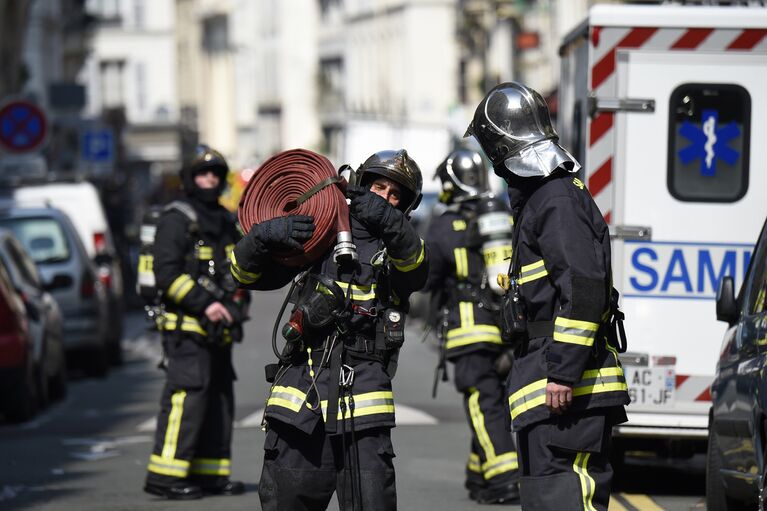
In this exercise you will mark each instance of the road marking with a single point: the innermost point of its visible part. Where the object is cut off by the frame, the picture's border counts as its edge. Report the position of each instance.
(616, 505)
(147, 425)
(99, 449)
(640, 502)
(251, 421)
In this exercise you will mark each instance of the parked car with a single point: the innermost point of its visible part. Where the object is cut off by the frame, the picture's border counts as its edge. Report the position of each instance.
(44, 313)
(736, 475)
(55, 246)
(81, 202)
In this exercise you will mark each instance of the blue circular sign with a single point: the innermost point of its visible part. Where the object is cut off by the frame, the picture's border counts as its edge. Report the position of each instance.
(22, 126)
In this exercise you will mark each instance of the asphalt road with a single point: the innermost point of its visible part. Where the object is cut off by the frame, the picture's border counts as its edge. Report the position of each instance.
(89, 452)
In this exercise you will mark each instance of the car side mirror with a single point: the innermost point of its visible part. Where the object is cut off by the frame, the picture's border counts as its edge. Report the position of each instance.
(726, 306)
(59, 281)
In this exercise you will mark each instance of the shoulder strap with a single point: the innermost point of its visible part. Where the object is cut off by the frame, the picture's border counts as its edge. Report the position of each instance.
(185, 209)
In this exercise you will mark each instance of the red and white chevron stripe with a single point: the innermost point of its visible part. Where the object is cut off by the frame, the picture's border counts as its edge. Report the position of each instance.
(605, 43)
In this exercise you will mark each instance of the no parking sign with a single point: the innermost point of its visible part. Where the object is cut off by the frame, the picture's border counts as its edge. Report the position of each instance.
(23, 127)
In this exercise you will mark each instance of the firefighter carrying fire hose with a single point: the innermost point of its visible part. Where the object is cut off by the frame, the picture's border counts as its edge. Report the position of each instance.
(330, 409)
(469, 244)
(199, 311)
(567, 388)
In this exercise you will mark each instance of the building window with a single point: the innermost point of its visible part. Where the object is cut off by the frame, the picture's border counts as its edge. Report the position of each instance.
(140, 86)
(139, 13)
(215, 38)
(709, 133)
(112, 93)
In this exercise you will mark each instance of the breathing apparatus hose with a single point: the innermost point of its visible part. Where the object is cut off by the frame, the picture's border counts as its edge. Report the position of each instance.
(298, 182)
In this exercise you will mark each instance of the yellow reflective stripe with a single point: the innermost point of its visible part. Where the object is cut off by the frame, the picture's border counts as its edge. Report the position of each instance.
(228, 249)
(599, 388)
(466, 312)
(459, 225)
(473, 465)
(575, 331)
(500, 465)
(533, 271)
(145, 263)
(180, 287)
(369, 403)
(286, 397)
(458, 337)
(496, 255)
(174, 425)
(461, 263)
(412, 262)
(528, 389)
(212, 467)
(588, 486)
(602, 373)
(168, 466)
(359, 293)
(478, 422)
(246, 277)
(188, 324)
(204, 253)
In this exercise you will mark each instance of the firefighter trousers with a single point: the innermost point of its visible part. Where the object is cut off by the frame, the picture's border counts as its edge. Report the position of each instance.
(301, 472)
(194, 427)
(493, 457)
(565, 463)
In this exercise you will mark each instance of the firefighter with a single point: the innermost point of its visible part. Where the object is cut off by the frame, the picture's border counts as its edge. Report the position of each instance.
(203, 313)
(330, 410)
(566, 387)
(468, 321)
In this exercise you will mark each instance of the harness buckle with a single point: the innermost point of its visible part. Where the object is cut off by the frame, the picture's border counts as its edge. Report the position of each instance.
(346, 378)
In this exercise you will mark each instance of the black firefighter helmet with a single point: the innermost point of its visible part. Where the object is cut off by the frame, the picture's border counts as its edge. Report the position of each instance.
(203, 158)
(399, 167)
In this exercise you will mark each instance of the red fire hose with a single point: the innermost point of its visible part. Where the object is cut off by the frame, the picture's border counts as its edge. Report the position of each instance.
(297, 182)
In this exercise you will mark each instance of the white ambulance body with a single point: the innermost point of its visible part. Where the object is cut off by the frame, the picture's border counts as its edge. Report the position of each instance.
(666, 107)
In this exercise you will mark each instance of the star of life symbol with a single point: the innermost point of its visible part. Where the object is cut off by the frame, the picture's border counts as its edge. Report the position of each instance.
(709, 142)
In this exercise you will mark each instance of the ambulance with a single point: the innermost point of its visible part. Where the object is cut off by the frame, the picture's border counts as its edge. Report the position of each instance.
(666, 107)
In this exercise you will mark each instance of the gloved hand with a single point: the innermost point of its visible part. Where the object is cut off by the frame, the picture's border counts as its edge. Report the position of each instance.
(502, 364)
(372, 210)
(285, 232)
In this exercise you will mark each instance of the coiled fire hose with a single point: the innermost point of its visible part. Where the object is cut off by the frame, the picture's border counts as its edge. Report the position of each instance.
(300, 182)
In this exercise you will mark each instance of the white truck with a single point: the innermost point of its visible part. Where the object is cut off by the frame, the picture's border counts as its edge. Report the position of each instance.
(666, 107)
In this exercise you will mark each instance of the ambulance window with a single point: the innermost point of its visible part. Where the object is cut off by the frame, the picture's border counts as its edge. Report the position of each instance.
(709, 131)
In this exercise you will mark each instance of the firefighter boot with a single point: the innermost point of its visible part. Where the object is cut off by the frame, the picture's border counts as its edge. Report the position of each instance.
(506, 494)
(179, 489)
(222, 486)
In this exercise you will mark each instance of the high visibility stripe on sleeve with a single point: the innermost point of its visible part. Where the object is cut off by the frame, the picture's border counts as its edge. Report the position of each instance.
(169, 322)
(575, 331)
(412, 262)
(461, 263)
(531, 272)
(242, 276)
(211, 466)
(588, 486)
(180, 287)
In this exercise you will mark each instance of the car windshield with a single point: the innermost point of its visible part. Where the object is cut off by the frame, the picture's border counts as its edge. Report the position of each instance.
(43, 238)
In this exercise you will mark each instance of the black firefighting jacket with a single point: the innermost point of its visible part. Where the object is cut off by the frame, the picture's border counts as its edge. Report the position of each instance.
(299, 396)
(564, 271)
(458, 282)
(183, 252)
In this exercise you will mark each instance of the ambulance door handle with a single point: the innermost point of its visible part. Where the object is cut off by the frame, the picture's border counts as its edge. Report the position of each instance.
(631, 232)
(641, 105)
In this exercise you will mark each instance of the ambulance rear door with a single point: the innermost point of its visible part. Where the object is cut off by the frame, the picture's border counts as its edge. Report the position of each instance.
(689, 199)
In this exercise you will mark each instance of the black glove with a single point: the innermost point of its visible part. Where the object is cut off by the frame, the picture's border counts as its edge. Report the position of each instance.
(384, 221)
(372, 210)
(285, 232)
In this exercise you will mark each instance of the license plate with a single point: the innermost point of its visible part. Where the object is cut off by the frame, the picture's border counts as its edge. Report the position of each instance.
(652, 386)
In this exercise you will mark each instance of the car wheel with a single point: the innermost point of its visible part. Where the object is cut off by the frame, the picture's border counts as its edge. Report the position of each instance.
(716, 497)
(96, 362)
(22, 404)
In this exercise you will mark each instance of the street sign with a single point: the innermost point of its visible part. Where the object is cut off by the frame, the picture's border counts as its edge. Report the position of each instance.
(97, 146)
(22, 127)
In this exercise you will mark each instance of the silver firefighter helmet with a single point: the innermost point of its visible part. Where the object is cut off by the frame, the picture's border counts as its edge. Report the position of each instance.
(463, 175)
(513, 126)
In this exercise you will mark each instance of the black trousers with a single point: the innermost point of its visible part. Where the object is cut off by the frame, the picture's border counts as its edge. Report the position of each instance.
(194, 427)
(565, 462)
(301, 472)
(492, 455)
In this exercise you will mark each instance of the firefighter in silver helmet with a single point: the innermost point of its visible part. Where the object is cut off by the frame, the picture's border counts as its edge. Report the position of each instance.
(331, 409)
(469, 244)
(203, 315)
(566, 387)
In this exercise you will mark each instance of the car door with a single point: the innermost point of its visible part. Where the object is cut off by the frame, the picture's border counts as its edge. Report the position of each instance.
(751, 340)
